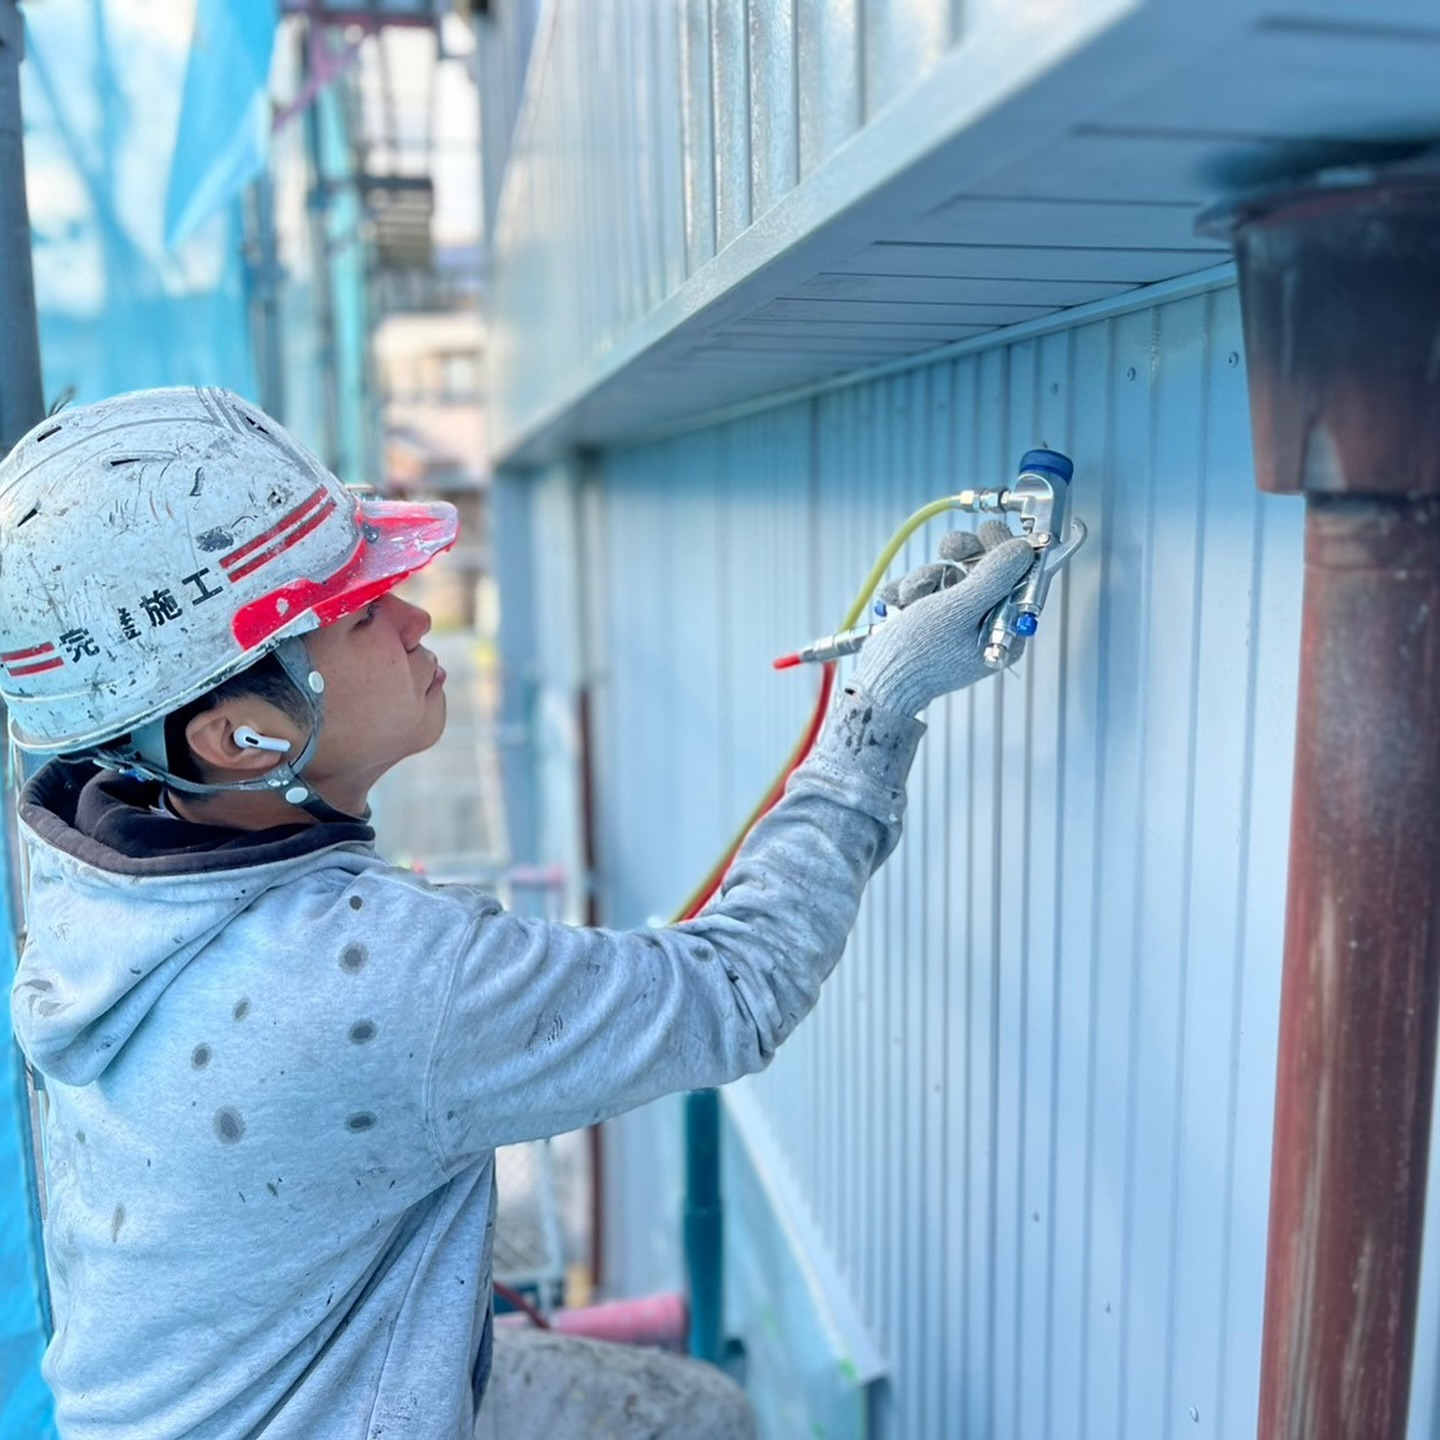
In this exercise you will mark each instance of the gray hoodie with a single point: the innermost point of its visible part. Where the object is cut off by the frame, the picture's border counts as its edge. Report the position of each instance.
(277, 1068)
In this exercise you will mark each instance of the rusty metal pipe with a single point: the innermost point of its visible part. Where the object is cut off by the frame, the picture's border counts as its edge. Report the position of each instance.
(1358, 1014)
(1340, 296)
(1339, 284)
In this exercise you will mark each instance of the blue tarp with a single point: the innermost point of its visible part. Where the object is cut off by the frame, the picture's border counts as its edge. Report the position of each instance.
(25, 1409)
(222, 137)
(101, 86)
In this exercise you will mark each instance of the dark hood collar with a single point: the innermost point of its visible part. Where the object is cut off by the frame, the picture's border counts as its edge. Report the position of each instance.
(109, 821)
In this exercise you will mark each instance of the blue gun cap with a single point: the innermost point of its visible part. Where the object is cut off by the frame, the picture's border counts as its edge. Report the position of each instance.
(1048, 462)
(1026, 624)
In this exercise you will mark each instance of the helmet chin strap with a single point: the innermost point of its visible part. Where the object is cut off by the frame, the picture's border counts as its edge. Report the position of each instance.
(146, 751)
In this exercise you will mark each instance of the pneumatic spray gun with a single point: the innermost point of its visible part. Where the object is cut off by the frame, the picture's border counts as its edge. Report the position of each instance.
(1040, 497)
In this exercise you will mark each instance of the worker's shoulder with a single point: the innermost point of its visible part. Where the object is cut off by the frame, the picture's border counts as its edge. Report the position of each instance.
(386, 885)
(356, 932)
(360, 893)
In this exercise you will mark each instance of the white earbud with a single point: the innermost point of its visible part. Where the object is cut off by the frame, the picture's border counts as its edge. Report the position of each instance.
(253, 740)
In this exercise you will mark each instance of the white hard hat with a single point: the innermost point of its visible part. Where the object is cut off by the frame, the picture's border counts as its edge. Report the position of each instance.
(153, 544)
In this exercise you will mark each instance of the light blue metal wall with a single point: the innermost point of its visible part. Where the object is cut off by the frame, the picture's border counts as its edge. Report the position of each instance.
(1028, 1126)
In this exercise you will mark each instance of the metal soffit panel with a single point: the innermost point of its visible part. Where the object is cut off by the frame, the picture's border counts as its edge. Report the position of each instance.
(1084, 210)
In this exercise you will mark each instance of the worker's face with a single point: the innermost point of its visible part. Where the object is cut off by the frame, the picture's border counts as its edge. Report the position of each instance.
(384, 696)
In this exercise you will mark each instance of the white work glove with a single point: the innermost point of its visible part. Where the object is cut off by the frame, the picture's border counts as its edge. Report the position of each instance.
(934, 644)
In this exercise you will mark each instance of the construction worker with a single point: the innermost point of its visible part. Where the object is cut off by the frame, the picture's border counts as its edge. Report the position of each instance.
(275, 1067)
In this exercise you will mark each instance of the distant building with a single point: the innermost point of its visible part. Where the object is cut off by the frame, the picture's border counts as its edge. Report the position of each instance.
(428, 353)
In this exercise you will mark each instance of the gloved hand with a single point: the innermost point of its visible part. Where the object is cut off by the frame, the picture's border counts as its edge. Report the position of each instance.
(933, 645)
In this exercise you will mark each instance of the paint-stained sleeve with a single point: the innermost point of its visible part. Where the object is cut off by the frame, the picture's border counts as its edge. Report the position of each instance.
(549, 1028)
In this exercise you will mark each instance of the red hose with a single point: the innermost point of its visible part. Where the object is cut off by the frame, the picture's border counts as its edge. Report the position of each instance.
(628, 1310)
(822, 703)
(514, 1298)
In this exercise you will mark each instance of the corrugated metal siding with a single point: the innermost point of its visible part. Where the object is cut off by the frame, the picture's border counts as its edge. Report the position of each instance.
(715, 200)
(1031, 1115)
(505, 36)
(653, 135)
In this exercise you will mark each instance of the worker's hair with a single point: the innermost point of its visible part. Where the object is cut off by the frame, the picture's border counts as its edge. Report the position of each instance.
(265, 680)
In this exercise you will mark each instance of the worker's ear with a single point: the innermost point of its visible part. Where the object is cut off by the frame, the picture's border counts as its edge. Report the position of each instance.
(217, 739)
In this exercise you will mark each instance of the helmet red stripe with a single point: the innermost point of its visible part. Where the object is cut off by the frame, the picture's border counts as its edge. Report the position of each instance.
(284, 523)
(26, 654)
(284, 543)
(52, 664)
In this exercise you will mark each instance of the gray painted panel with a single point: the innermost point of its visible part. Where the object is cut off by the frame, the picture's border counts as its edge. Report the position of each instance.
(975, 314)
(502, 51)
(860, 346)
(512, 521)
(953, 290)
(582, 167)
(644, 1177)
(1075, 224)
(1031, 1114)
(1241, 593)
(828, 60)
(635, 156)
(710, 362)
(1119, 264)
(1138, 165)
(697, 116)
(903, 41)
(730, 62)
(639, 126)
(666, 78)
(774, 104)
(1416, 17)
(936, 333)
(1298, 82)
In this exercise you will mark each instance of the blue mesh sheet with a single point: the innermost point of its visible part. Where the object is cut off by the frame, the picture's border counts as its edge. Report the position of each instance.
(224, 125)
(101, 87)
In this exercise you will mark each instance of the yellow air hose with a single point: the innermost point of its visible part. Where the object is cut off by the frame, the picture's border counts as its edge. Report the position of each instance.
(700, 896)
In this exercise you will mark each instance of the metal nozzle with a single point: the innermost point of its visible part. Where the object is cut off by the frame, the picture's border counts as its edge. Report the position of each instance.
(983, 502)
(827, 647)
